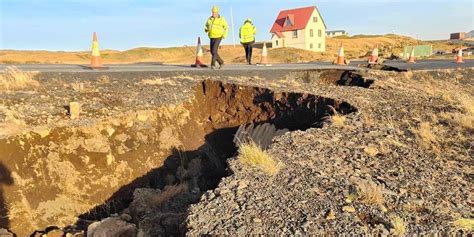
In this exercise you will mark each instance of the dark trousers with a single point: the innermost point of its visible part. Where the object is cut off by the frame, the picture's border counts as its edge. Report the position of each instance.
(248, 51)
(215, 51)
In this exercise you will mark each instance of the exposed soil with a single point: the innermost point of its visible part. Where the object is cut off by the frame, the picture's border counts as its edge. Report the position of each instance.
(76, 167)
(157, 150)
(217, 111)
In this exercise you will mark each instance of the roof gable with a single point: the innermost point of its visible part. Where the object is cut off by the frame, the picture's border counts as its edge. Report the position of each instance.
(289, 20)
(299, 18)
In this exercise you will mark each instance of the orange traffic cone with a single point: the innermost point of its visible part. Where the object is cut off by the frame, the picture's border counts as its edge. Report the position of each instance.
(199, 55)
(459, 58)
(412, 59)
(374, 56)
(96, 60)
(264, 59)
(340, 57)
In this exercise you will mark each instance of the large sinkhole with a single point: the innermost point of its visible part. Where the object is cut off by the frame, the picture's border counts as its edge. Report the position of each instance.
(173, 154)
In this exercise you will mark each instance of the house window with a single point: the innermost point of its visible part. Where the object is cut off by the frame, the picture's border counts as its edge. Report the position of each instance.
(320, 33)
(311, 33)
(295, 34)
(276, 42)
(311, 46)
(319, 45)
(288, 22)
(315, 19)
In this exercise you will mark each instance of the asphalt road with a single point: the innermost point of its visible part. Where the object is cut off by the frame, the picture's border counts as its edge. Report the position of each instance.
(157, 67)
(430, 64)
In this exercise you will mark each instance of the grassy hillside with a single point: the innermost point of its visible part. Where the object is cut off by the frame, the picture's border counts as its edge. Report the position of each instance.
(355, 47)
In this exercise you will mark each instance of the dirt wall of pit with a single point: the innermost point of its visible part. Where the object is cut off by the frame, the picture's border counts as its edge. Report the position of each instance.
(53, 176)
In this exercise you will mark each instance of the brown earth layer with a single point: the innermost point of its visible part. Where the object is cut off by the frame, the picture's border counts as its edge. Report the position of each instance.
(403, 157)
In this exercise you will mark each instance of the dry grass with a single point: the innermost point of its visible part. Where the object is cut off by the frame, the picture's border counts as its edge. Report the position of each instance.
(355, 47)
(338, 120)
(424, 133)
(459, 96)
(384, 148)
(466, 224)
(251, 155)
(104, 79)
(370, 193)
(15, 79)
(466, 120)
(371, 151)
(398, 225)
(77, 86)
(155, 81)
(168, 192)
(368, 120)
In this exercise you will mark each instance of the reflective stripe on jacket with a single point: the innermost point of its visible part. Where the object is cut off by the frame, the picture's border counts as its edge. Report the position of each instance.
(247, 33)
(216, 27)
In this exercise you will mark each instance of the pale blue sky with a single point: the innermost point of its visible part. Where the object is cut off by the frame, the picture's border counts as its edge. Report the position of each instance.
(125, 24)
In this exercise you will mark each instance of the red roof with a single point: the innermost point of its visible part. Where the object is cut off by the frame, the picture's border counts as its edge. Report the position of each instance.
(299, 17)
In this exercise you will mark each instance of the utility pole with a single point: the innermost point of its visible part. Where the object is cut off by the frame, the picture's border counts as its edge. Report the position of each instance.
(232, 24)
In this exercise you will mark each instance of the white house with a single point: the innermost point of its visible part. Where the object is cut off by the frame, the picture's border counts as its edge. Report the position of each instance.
(302, 28)
(336, 33)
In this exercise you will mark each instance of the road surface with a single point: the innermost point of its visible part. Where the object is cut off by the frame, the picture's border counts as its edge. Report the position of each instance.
(430, 64)
(157, 67)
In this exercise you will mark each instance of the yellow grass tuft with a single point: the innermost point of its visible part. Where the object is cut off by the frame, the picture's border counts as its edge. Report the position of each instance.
(464, 224)
(15, 79)
(426, 138)
(463, 120)
(399, 225)
(251, 155)
(371, 151)
(368, 120)
(338, 120)
(370, 193)
(467, 119)
(158, 82)
(467, 103)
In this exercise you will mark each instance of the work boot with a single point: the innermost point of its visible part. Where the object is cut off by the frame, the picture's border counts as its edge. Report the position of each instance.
(213, 68)
(221, 65)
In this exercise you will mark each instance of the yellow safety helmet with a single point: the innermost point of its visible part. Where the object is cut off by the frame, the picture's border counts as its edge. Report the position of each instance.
(215, 9)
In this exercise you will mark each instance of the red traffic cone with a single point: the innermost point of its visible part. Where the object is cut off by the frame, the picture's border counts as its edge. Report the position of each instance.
(459, 58)
(264, 59)
(96, 60)
(340, 57)
(199, 55)
(412, 58)
(374, 56)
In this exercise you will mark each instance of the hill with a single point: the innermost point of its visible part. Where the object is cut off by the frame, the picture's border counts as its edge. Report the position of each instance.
(356, 47)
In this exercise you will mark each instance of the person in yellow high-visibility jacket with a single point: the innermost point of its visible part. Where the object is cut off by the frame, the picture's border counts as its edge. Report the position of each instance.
(216, 28)
(247, 38)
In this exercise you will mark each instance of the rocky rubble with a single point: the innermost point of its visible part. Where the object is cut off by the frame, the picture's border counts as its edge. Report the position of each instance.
(372, 174)
(401, 164)
(112, 227)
